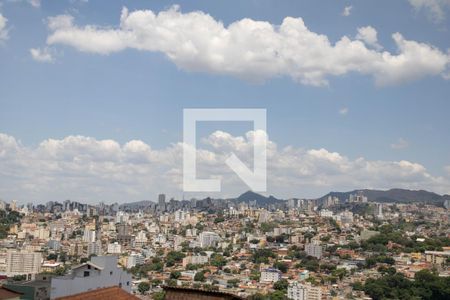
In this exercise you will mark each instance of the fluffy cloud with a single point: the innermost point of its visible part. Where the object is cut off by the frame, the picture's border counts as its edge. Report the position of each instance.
(435, 9)
(347, 11)
(84, 168)
(368, 35)
(35, 3)
(252, 50)
(41, 54)
(447, 169)
(3, 29)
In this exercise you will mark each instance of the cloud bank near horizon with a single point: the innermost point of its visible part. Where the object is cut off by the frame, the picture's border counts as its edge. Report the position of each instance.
(3, 29)
(253, 50)
(86, 169)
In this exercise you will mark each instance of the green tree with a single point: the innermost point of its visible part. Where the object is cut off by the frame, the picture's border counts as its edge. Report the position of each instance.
(283, 267)
(159, 296)
(143, 287)
(233, 283)
(218, 260)
(175, 274)
(199, 276)
(281, 285)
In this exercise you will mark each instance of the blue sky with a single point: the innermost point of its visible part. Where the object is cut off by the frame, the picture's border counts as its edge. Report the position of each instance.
(128, 94)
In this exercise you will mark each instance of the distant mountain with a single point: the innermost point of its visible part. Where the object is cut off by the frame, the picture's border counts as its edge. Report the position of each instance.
(394, 195)
(136, 205)
(260, 199)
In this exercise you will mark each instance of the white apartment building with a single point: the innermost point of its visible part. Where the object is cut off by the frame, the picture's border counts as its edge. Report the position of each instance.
(281, 230)
(94, 248)
(122, 217)
(325, 213)
(21, 263)
(314, 250)
(270, 275)
(181, 215)
(89, 235)
(191, 232)
(298, 291)
(208, 239)
(195, 260)
(135, 259)
(345, 217)
(114, 248)
(141, 239)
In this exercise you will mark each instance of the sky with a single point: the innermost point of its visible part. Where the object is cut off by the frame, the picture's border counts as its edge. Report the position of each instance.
(92, 95)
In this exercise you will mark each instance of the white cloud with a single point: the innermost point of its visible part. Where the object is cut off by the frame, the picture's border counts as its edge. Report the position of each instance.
(41, 54)
(248, 49)
(84, 168)
(347, 11)
(343, 111)
(60, 22)
(35, 3)
(368, 35)
(435, 9)
(400, 144)
(3, 29)
(447, 169)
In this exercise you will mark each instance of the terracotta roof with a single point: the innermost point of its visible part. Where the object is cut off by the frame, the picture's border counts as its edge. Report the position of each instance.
(108, 293)
(193, 291)
(8, 294)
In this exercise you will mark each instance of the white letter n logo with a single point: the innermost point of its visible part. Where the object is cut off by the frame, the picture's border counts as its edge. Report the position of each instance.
(256, 180)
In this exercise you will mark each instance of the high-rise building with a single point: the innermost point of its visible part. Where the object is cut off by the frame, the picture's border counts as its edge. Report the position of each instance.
(380, 211)
(195, 260)
(180, 215)
(135, 259)
(358, 198)
(122, 217)
(66, 205)
(270, 275)
(141, 239)
(2, 205)
(13, 205)
(89, 234)
(114, 248)
(314, 250)
(292, 203)
(264, 216)
(162, 202)
(94, 248)
(23, 263)
(298, 291)
(208, 239)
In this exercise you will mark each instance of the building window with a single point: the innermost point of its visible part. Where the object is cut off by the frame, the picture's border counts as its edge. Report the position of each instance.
(89, 267)
(128, 283)
(86, 274)
(110, 273)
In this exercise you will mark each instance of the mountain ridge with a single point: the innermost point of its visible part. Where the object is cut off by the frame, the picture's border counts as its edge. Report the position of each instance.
(394, 195)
